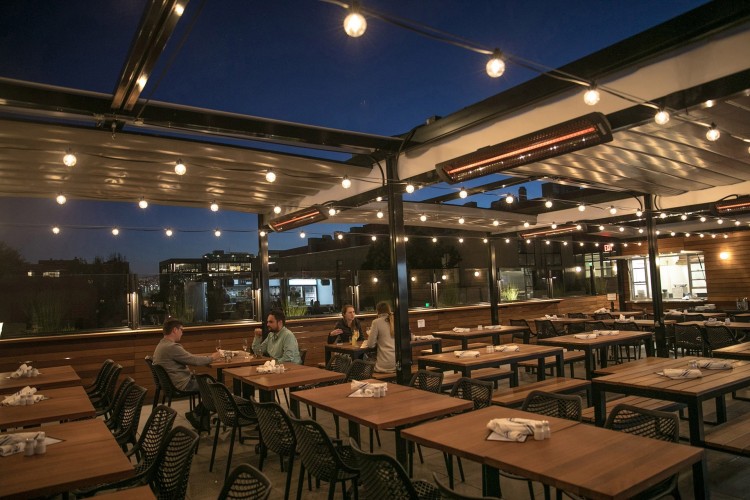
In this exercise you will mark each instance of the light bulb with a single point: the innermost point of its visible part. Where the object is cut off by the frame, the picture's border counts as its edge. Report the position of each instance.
(270, 176)
(355, 24)
(434, 240)
(69, 160)
(375, 279)
(410, 188)
(61, 199)
(179, 9)
(262, 233)
(496, 65)
(444, 277)
(596, 244)
(460, 240)
(484, 240)
(546, 242)
(658, 232)
(701, 235)
(638, 212)
(414, 278)
(661, 117)
(345, 182)
(578, 269)
(115, 232)
(612, 210)
(672, 233)
(703, 218)
(180, 168)
(277, 210)
(463, 193)
(526, 224)
(495, 222)
(507, 240)
(528, 240)
(461, 220)
(737, 223)
(476, 274)
(663, 215)
(622, 229)
(553, 226)
(640, 230)
(726, 236)
(56, 230)
(601, 228)
(580, 244)
(423, 218)
(379, 214)
(302, 234)
(687, 235)
(214, 207)
(374, 238)
(143, 203)
(217, 233)
(581, 207)
(548, 203)
(713, 236)
(331, 211)
(579, 227)
(406, 238)
(379, 199)
(683, 216)
(591, 97)
(340, 236)
(720, 221)
(168, 232)
(713, 133)
(509, 199)
(565, 243)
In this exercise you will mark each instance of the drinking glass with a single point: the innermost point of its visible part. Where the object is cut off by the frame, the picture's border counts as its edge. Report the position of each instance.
(218, 345)
(244, 344)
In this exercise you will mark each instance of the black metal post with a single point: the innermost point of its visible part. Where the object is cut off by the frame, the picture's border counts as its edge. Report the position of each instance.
(492, 276)
(399, 284)
(662, 350)
(265, 292)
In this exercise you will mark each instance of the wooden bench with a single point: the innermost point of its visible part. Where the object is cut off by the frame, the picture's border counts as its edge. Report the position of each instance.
(489, 374)
(475, 345)
(569, 358)
(515, 396)
(640, 402)
(731, 437)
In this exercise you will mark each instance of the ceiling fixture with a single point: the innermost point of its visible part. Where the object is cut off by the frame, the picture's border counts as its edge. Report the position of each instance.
(661, 117)
(299, 218)
(143, 203)
(55, 230)
(463, 193)
(355, 23)
(115, 232)
(410, 188)
(496, 65)
(612, 210)
(270, 175)
(713, 133)
(180, 168)
(61, 199)
(591, 96)
(69, 160)
(572, 135)
(168, 232)
(214, 206)
(379, 214)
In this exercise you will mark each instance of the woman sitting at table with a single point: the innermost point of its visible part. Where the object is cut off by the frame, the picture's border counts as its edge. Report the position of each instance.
(381, 336)
(346, 326)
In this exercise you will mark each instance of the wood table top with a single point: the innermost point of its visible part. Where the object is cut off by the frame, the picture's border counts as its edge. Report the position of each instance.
(53, 376)
(237, 361)
(599, 341)
(655, 364)
(294, 376)
(526, 351)
(87, 456)
(402, 405)
(477, 333)
(737, 325)
(618, 313)
(739, 351)
(65, 403)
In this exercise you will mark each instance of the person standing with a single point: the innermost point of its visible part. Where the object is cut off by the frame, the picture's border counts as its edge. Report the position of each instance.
(280, 344)
(347, 326)
(381, 336)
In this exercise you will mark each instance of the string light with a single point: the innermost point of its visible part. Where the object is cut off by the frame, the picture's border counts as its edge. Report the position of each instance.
(509, 199)
(302, 234)
(638, 213)
(565, 243)
(460, 240)
(661, 117)
(591, 96)
(217, 233)
(703, 218)
(423, 218)
(507, 240)
(270, 175)
(379, 199)
(612, 210)
(277, 210)
(463, 194)
(340, 236)
(461, 220)
(331, 211)
(406, 238)
(379, 214)
(495, 222)
(168, 232)
(410, 188)
(601, 228)
(476, 274)
(355, 23)
(69, 160)
(180, 168)
(720, 221)
(581, 207)
(115, 232)
(374, 238)
(640, 230)
(214, 207)
(55, 230)
(713, 133)
(485, 240)
(526, 224)
(737, 223)
(61, 199)
(548, 203)
(553, 226)
(546, 242)
(622, 229)
(143, 203)
(663, 215)
(579, 227)
(434, 240)
(683, 216)
(528, 240)
(262, 233)
(345, 182)
(374, 279)
(496, 65)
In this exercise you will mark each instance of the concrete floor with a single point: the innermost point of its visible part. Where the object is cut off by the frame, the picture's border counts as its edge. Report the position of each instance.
(727, 474)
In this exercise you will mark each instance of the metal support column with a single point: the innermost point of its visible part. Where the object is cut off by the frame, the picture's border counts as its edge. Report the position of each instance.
(662, 350)
(265, 293)
(399, 277)
(492, 276)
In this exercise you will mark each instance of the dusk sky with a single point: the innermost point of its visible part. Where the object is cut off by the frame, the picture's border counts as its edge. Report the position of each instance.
(285, 59)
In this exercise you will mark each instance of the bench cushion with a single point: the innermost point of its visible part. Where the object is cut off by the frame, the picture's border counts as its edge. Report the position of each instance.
(515, 396)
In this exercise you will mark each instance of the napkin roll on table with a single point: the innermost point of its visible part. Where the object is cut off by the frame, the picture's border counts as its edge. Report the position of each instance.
(677, 373)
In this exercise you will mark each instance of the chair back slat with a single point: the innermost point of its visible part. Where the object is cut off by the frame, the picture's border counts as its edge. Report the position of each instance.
(567, 406)
(170, 479)
(245, 482)
(477, 391)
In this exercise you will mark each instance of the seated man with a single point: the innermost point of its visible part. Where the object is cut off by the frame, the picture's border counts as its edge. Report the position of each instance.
(281, 344)
(170, 355)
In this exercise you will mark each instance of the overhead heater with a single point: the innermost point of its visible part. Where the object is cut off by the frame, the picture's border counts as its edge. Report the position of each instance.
(735, 206)
(298, 218)
(579, 133)
(560, 229)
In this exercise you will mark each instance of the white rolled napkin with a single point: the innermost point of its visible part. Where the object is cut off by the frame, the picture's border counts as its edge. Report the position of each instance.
(10, 444)
(601, 310)
(493, 327)
(678, 373)
(361, 389)
(585, 336)
(23, 371)
(507, 348)
(547, 316)
(606, 332)
(714, 364)
(466, 354)
(424, 337)
(268, 367)
(15, 399)
(511, 429)
(461, 330)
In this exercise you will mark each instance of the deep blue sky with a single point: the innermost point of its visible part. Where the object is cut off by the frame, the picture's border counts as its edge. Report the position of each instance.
(285, 59)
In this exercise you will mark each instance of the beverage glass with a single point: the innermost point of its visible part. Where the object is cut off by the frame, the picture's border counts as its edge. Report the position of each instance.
(218, 344)
(244, 345)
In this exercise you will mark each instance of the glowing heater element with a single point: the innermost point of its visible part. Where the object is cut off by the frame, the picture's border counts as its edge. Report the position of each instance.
(588, 130)
(299, 218)
(560, 229)
(739, 205)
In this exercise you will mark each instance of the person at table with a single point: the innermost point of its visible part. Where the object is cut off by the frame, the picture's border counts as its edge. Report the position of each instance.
(381, 336)
(346, 326)
(280, 344)
(175, 360)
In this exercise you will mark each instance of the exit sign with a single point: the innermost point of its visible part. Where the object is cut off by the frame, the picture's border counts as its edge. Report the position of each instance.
(608, 247)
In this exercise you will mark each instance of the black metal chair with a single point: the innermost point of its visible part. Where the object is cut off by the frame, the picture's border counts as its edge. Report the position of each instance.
(568, 406)
(276, 435)
(718, 336)
(594, 325)
(358, 370)
(245, 482)
(322, 460)
(170, 477)
(546, 329)
(525, 335)
(600, 316)
(127, 416)
(446, 493)
(157, 387)
(101, 376)
(108, 412)
(577, 315)
(207, 401)
(302, 357)
(689, 338)
(383, 477)
(170, 390)
(101, 399)
(233, 412)
(628, 326)
(338, 363)
(694, 317)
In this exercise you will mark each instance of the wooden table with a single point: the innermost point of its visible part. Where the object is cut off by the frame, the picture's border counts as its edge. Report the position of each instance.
(647, 324)
(739, 351)
(476, 333)
(65, 403)
(732, 325)
(578, 458)
(601, 342)
(655, 363)
(640, 379)
(402, 406)
(356, 351)
(627, 314)
(449, 361)
(235, 362)
(247, 379)
(87, 456)
(53, 376)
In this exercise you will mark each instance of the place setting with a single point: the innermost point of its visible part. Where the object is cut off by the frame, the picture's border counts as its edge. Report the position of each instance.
(694, 367)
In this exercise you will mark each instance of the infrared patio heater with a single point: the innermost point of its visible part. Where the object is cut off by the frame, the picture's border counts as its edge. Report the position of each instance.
(579, 133)
(299, 218)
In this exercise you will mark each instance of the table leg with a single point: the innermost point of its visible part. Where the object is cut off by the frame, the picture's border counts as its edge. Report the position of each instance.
(560, 364)
(603, 357)
(700, 472)
(328, 356)
(695, 422)
(267, 396)
(220, 375)
(294, 406)
(464, 344)
(590, 363)
(514, 377)
(599, 399)
(721, 409)
(401, 454)
(540, 369)
(437, 347)
(496, 339)
(354, 432)
(490, 482)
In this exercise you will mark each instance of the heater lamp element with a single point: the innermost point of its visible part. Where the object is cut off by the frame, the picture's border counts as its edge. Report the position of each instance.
(578, 133)
(735, 206)
(298, 218)
(560, 229)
